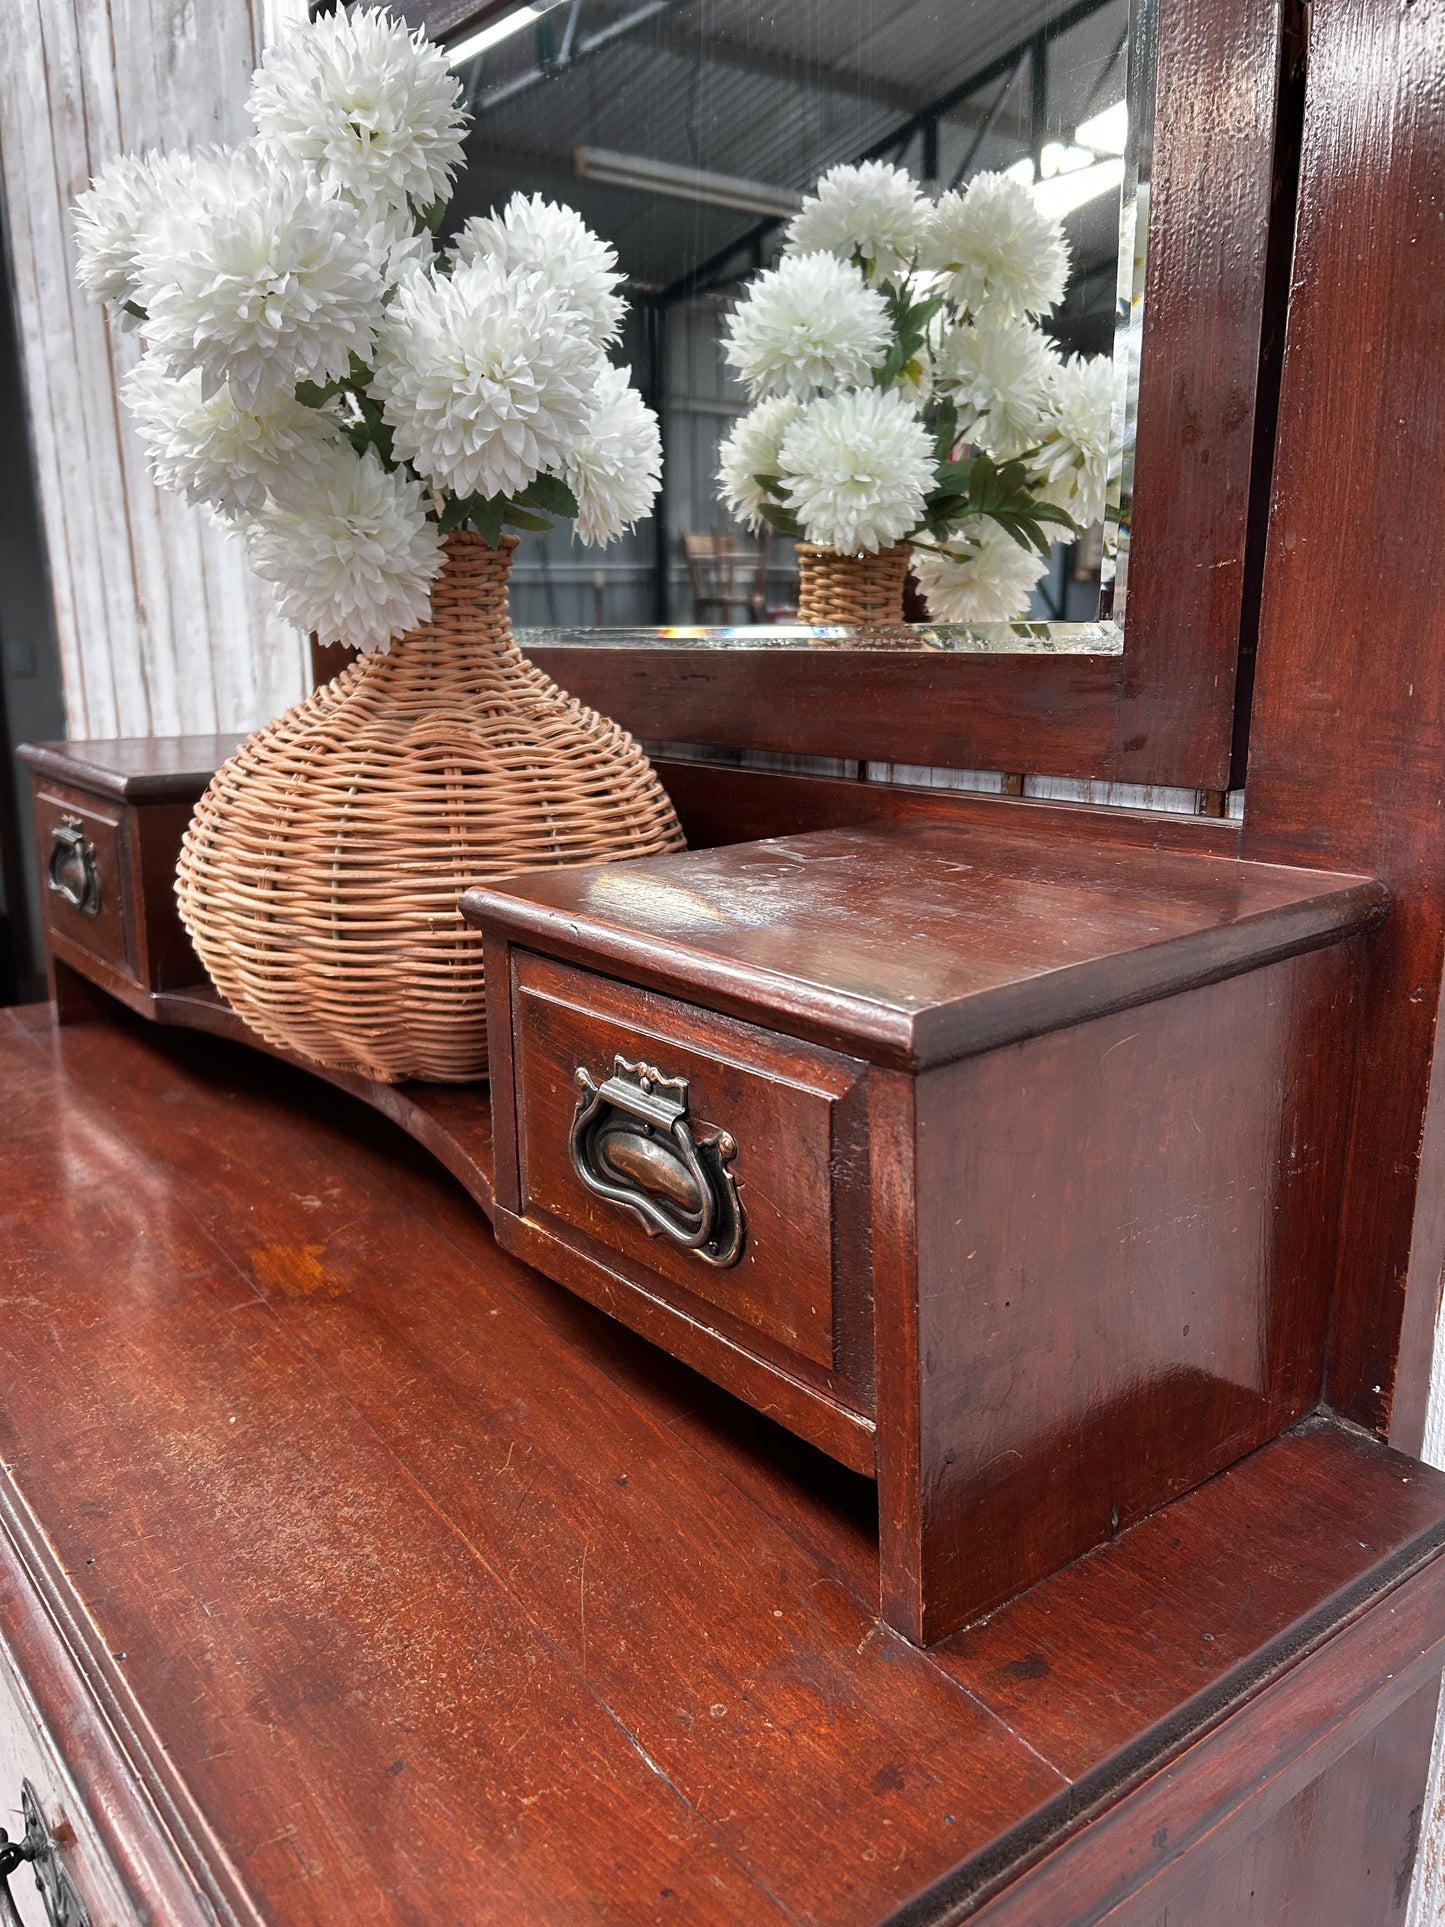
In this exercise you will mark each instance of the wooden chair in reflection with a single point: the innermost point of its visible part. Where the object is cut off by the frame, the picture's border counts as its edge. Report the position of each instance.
(728, 572)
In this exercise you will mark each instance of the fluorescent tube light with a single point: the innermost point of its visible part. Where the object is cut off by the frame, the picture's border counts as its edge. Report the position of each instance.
(503, 29)
(647, 176)
(1106, 132)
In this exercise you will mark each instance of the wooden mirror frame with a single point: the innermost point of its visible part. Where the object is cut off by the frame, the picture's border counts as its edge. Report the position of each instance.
(1163, 711)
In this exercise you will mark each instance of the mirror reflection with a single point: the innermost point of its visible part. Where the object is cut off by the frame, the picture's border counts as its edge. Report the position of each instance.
(694, 134)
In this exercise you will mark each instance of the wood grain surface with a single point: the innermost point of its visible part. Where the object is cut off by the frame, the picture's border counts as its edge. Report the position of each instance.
(1348, 734)
(915, 945)
(432, 1595)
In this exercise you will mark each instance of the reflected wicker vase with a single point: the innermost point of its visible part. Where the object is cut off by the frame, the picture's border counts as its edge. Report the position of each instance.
(320, 874)
(860, 591)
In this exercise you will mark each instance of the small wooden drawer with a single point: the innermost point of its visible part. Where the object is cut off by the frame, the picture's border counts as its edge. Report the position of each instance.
(1064, 1118)
(109, 818)
(83, 872)
(765, 1241)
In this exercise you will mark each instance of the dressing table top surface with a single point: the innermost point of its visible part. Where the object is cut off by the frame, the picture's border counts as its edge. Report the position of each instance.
(432, 1594)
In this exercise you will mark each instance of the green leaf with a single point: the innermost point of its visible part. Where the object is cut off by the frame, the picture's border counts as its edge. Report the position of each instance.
(311, 395)
(430, 217)
(524, 519)
(134, 308)
(771, 485)
(945, 431)
(486, 515)
(551, 493)
(783, 520)
(454, 513)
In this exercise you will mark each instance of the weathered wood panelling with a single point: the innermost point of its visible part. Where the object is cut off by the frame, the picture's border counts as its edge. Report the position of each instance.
(162, 628)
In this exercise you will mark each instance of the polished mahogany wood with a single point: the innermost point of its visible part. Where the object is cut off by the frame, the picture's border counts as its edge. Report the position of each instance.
(1105, 1128)
(918, 945)
(718, 804)
(797, 1116)
(430, 1594)
(1348, 734)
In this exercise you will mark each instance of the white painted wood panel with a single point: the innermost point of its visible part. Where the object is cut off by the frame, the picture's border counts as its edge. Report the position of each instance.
(162, 628)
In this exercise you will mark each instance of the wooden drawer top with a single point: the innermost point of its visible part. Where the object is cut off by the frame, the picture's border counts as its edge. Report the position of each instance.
(156, 768)
(914, 946)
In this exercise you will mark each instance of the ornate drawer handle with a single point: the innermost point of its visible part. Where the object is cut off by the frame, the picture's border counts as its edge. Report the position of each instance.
(72, 869)
(63, 1905)
(631, 1145)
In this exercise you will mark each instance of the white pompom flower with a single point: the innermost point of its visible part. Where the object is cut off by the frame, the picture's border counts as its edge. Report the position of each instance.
(997, 371)
(981, 576)
(614, 468)
(555, 242)
(873, 212)
(997, 247)
(808, 325)
(208, 449)
(485, 377)
(1081, 449)
(855, 469)
(752, 448)
(356, 562)
(372, 107)
(109, 215)
(257, 279)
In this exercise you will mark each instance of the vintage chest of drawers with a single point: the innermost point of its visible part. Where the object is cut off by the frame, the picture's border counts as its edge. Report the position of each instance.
(996, 1166)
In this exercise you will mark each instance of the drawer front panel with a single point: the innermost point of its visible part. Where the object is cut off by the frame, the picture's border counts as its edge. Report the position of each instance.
(25, 1757)
(82, 872)
(793, 1112)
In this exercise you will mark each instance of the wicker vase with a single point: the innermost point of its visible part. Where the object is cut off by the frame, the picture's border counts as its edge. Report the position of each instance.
(320, 874)
(863, 591)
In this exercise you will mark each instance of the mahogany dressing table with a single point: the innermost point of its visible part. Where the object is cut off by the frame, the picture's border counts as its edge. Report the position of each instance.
(353, 1569)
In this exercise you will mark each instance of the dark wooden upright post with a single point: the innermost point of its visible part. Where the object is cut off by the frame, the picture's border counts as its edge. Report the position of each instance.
(1347, 748)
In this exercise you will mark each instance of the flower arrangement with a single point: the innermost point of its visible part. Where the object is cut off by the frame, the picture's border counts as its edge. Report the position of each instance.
(903, 391)
(325, 378)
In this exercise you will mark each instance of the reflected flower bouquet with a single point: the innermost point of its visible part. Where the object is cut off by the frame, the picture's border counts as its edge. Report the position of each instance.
(326, 379)
(904, 393)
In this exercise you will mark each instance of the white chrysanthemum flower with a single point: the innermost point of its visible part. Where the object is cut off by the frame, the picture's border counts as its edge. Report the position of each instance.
(1081, 449)
(369, 105)
(257, 278)
(109, 214)
(615, 468)
(486, 377)
(395, 246)
(357, 561)
(808, 325)
(753, 448)
(983, 576)
(874, 212)
(855, 470)
(210, 450)
(997, 247)
(997, 371)
(555, 242)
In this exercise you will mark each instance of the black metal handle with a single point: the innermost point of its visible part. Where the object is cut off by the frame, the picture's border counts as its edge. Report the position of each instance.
(37, 1850)
(72, 870)
(631, 1144)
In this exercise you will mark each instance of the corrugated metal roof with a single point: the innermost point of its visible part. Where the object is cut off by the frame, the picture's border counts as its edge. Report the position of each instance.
(773, 92)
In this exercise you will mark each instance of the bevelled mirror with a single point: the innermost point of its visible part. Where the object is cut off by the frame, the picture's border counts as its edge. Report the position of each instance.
(690, 134)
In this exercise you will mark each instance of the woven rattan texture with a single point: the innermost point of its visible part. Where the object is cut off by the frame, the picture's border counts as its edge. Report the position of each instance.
(857, 589)
(320, 874)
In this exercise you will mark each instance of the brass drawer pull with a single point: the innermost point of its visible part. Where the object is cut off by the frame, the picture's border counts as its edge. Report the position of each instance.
(631, 1144)
(63, 1905)
(72, 870)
